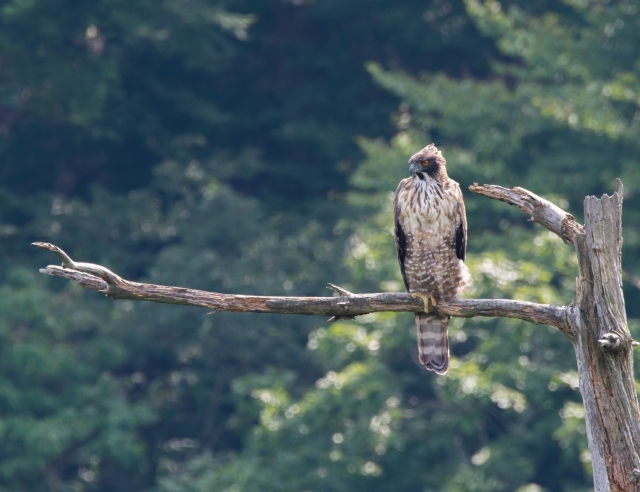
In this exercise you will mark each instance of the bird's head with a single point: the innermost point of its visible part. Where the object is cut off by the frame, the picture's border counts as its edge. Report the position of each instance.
(429, 162)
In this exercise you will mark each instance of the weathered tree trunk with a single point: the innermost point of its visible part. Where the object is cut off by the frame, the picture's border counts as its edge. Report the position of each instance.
(604, 349)
(596, 323)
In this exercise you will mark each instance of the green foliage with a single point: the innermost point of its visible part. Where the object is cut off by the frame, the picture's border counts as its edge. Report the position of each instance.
(242, 146)
(61, 400)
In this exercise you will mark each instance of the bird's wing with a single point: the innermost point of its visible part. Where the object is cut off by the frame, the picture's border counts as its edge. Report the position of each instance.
(461, 225)
(401, 238)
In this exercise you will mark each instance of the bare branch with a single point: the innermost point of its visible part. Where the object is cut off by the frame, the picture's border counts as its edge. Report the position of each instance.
(546, 314)
(541, 211)
(339, 290)
(96, 277)
(110, 278)
(342, 292)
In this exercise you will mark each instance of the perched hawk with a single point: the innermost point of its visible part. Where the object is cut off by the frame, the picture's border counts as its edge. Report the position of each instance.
(431, 241)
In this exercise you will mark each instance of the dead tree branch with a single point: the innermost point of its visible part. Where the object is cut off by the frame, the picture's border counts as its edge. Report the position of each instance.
(540, 210)
(96, 277)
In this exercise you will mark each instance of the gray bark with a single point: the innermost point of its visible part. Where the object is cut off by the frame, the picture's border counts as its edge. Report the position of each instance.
(96, 277)
(604, 348)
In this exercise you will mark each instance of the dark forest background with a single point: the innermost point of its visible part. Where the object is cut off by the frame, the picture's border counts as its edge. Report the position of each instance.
(253, 146)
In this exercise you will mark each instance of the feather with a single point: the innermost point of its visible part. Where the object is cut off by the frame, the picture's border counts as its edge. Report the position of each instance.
(461, 231)
(433, 341)
(401, 242)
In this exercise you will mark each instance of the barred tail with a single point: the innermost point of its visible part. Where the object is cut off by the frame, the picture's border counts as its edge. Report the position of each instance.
(433, 341)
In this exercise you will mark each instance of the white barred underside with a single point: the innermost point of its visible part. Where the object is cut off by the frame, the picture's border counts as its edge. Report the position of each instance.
(429, 215)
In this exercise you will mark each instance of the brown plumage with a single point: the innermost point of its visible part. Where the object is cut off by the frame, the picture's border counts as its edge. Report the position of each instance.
(431, 240)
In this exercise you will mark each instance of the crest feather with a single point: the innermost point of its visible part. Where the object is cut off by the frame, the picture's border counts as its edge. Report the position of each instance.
(429, 152)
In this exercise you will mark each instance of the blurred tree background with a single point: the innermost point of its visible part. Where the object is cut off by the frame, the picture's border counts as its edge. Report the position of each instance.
(253, 147)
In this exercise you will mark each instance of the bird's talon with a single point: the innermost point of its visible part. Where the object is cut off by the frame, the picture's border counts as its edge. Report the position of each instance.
(428, 299)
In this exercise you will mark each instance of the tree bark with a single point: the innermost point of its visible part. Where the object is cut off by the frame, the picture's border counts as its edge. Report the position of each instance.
(604, 349)
(600, 335)
(541, 211)
(97, 277)
(596, 323)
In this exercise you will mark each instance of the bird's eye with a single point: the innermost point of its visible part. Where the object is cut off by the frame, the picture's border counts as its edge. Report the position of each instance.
(425, 163)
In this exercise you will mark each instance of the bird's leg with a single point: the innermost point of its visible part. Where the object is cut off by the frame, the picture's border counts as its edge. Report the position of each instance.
(428, 298)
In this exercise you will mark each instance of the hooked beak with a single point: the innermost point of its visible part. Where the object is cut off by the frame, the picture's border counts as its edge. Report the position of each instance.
(414, 168)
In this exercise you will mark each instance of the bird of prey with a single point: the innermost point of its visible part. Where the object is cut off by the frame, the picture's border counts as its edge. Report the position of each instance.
(431, 240)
